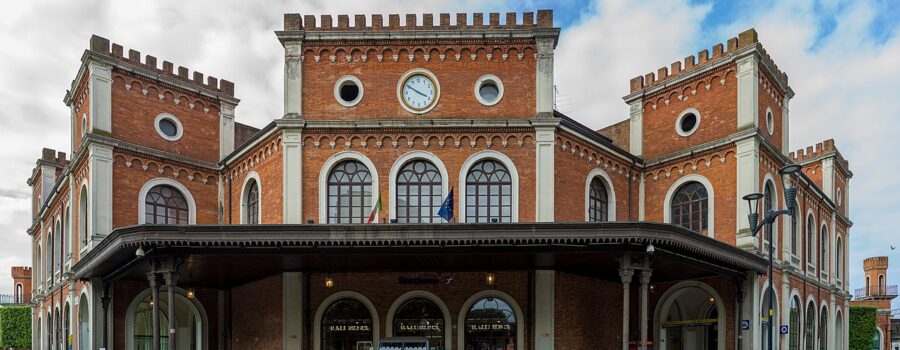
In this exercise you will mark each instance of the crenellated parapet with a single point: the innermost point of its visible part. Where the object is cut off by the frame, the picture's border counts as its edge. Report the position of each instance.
(21, 271)
(875, 262)
(703, 59)
(102, 46)
(309, 23)
(821, 149)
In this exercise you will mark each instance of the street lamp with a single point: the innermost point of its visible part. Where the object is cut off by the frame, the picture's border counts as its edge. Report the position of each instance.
(790, 199)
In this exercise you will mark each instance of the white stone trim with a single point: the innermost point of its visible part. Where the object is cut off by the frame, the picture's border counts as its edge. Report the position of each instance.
(475, 158)
(461, 319)
(326, 170)
(406, 158)
(196, 308)
(437, 89)
(244, 188)
(636, 121)
(142, 206)
(320, 312)
(226, 130)
(672, 294)
(610, 190)
(100, 90)
(711, 215)
(747, 92)
(84, 243)
(448, 325)
(810, 261)
(344, 80)
(770, 121)
(168, 116)
(291, 176)
(681, 116)
(488, 78)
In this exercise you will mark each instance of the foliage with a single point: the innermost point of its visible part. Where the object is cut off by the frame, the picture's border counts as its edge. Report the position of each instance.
(15, 327)
(862, 327)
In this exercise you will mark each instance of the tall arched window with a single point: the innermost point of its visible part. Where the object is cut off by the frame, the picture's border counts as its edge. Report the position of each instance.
(690, 207)
(795, 234)
(66, 328)
(349, 193)
(49, 249)
(488, 192)
(794, 339)
(347, 325)
(252, 202)
(39, 263)
(598, 201)
(823, 329)
(490, 324)
(768, 205)
(420, 317)
(419, 193)
(839, 260)
(165, 204)
(84, 323)
(823, 250)
(20, 294)
(810, 239)
(67, 228)
(58, 248)
(881, 287)
(811, 327)
(83, 216)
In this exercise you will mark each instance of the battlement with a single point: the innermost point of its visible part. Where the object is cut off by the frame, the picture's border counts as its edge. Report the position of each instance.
(21, 272)
(57, 158)
(296, 22)
(101, 46)
(691, 63)
(821, 149)
(875, 262)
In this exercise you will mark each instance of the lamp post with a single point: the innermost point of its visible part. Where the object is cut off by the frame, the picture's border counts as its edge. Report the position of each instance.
(790, 198)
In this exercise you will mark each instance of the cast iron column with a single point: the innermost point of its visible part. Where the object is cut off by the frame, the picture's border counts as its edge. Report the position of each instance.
(626, 273)
(645, 288)
(171, 278)
(154, 307)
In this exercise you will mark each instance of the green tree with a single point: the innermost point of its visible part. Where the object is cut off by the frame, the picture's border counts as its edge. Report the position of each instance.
(862, 327)
(15, 327)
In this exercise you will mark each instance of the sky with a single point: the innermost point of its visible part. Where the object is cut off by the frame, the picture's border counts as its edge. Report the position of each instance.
(843, 59)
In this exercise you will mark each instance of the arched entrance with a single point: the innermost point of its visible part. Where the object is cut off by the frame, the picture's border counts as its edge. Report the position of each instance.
(84, 323)
(421, 314)
(690, 316)
(768, 327)
(190, 322)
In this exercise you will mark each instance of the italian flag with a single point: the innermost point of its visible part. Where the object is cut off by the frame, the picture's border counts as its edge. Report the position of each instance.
(373, 217)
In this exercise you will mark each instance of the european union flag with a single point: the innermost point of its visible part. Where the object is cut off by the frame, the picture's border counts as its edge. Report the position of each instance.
(446, 210)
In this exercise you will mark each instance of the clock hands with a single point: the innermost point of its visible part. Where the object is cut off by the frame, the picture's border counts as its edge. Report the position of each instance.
(417, 91)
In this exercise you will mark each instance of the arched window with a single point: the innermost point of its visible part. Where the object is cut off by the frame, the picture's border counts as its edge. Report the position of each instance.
(823, 330)
(58, 248)
(876, 340)
(48, 266)
(881, 288)
(795, 240)
(66, 328)
(810, 239)
(349, 193)
(38, 263)
(84, 323)
(598, 201)
(839, 260)
(488, 192)
(20, 294)
(823, 250)
(83, 216)
(811, 327)
(164, 204)
(252, 202)
(419, 193)
(794, 339)
(490, 324)
(67, 228)
(347, 325)
(420, 317)
(768, 205)
(690, 207)
(767, 326)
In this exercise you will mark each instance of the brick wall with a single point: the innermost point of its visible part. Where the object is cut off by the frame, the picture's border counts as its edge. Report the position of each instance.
(574, 161)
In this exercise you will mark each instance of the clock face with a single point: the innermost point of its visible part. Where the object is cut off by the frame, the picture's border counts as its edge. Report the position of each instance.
(418, 92)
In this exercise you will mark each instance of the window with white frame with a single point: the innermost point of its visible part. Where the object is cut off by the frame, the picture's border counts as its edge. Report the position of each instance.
(489, 192)
(83, 216)
(349, 193)
(768, 205)
(251, 202)
(690, 207)
(165, 204)
(419, 193)
(810, 239)
(823, 250)
(598, 201)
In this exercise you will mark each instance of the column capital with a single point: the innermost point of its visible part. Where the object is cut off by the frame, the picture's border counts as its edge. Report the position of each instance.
(626, 273)
(645, 276)
(153, 279)
(171, 278)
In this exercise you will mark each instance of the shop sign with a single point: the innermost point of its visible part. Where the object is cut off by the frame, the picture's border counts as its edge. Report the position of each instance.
(349, 328)
(691, 323)
(490, 327)
(419, 327)
(417, 281)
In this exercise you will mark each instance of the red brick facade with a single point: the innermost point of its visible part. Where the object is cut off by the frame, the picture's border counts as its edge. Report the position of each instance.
(642, 161)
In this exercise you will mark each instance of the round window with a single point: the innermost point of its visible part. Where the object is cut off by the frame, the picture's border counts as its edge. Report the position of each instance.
(770, 122)
(168, 127)
(488, 90)
(687, 122)
(348, 91)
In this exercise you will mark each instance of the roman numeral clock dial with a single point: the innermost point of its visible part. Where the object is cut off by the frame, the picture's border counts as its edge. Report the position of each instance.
(418, 91)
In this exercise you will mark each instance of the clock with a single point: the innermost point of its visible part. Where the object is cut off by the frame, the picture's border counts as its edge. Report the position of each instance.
(418, 91)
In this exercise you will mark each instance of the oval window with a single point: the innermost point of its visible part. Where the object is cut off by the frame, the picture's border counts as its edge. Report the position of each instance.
(168, 127)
